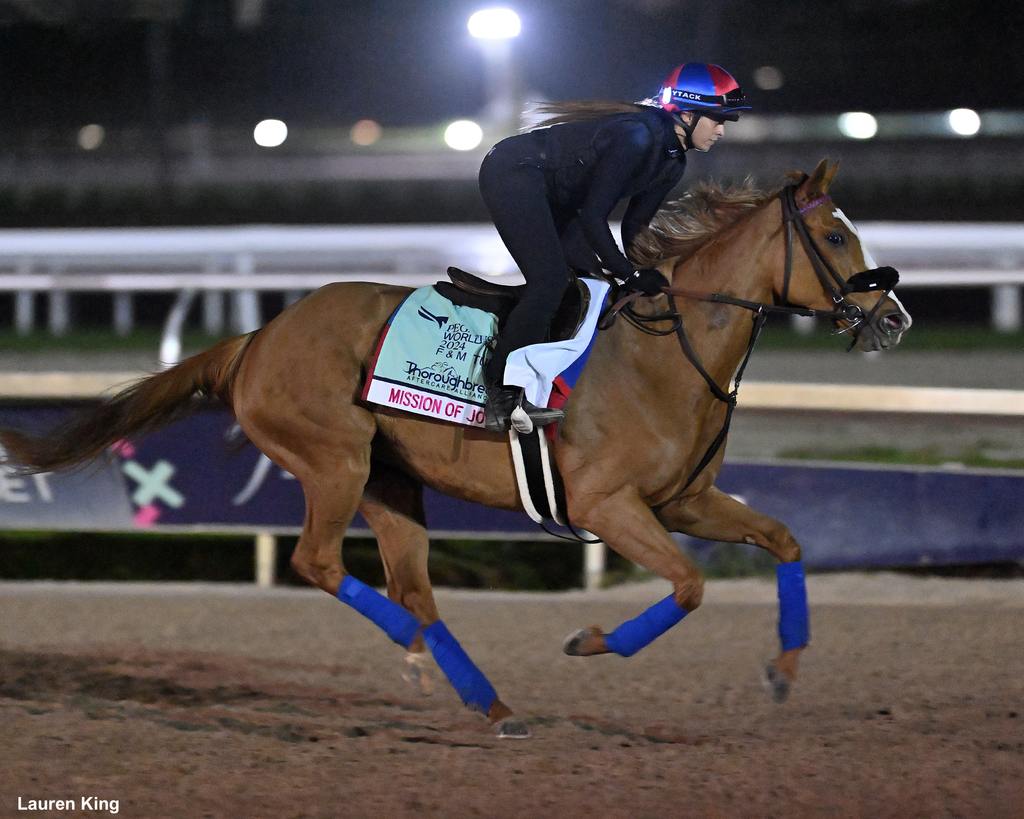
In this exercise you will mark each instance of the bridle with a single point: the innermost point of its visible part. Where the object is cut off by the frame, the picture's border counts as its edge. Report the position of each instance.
(881, 278)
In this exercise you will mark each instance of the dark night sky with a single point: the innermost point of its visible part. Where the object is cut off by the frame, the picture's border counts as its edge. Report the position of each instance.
(407, 62)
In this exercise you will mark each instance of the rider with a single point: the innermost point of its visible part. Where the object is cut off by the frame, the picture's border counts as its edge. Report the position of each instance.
(551, 190)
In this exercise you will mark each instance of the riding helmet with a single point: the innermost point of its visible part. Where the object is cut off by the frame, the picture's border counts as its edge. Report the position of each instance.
(703, 88)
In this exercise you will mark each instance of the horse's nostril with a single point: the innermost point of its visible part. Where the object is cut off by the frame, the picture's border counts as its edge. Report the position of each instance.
(894, 322)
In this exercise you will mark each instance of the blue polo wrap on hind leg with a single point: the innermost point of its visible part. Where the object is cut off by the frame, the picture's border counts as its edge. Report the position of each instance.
(634, 634)
(397, 623)
(794, 620)
(468, 680)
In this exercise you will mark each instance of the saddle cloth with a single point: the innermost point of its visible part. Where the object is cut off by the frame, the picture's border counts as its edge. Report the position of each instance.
(430, 355)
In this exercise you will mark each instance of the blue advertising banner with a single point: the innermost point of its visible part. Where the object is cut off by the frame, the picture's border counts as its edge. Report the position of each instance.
(92, 498)
(857, 516)
(201, 472)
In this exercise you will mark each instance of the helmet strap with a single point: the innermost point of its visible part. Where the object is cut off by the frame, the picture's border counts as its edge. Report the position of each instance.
(688, 129)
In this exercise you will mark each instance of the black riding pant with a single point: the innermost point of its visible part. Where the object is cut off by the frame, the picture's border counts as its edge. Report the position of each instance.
(516, 196)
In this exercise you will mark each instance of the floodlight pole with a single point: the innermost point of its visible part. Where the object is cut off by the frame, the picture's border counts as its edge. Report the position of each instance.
(495, 29)
(501, 113)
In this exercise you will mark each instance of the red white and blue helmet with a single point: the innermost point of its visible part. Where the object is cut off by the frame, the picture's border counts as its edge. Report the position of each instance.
(703, 88)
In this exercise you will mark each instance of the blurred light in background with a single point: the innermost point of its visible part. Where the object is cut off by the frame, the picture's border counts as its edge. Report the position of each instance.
(494, 24)
(768, 78)
(270, 133)
(964, 121)
(858, 125)
(463, 135)
(365, 132)
(90, 137)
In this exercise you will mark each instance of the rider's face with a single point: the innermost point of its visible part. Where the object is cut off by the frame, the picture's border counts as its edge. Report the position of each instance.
(706, 134)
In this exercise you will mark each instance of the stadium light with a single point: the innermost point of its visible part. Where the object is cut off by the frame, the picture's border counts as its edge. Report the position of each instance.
(463, 135)
(858, 125)
(90, 137)
(365, 132)
(964, 121)
(768, 78)
(270, 133)
(494, 24)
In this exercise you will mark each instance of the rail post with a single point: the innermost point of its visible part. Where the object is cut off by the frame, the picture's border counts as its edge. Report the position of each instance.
(266, 559)
(593, 565)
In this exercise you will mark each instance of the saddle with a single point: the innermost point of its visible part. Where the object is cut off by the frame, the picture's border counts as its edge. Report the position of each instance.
(468, 290)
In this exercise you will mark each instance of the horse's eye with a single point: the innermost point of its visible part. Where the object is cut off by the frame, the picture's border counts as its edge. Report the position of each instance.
(834, 237)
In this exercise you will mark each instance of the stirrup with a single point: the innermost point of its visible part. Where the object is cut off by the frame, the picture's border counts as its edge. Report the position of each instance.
(526, 416)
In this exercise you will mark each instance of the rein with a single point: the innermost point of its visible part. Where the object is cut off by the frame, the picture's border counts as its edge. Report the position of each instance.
(624, 307)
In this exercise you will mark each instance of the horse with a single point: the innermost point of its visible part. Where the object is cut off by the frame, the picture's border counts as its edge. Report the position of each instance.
(638, 452)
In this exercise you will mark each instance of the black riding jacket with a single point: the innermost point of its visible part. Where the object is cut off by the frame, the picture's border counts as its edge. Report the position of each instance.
(590, 165)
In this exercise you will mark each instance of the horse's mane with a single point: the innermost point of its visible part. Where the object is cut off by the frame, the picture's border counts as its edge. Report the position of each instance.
(685, 224)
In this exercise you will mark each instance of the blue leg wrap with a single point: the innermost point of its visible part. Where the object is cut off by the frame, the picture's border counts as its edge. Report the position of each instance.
(468, 680)
(634, 634)
(397, 623)
(794, 620)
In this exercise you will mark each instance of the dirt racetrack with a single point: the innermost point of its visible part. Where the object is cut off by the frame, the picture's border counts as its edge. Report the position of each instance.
(192, 701)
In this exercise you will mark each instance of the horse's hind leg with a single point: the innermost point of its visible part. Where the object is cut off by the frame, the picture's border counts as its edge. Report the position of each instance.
(715, 515)
(331, 503)
(393, 507)
(333, 473)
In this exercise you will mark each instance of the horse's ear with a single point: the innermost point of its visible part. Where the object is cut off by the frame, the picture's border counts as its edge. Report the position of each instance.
(817, 184)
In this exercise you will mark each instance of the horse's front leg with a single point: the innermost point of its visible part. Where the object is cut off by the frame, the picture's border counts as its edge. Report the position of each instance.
(715, 515)
(628, 526)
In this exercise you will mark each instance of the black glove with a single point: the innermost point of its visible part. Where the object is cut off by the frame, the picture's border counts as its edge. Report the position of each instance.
(646, 280)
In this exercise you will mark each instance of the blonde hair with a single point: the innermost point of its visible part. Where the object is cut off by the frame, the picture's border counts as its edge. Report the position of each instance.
(562, 112)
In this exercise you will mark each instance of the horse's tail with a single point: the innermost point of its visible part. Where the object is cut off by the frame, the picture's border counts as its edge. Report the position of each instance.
(148, 404)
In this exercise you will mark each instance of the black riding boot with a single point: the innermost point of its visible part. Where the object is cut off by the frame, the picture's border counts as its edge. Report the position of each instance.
(498, 409)
(507, 406)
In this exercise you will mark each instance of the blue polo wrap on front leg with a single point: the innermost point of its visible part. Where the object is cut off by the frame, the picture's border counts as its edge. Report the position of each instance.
(794, 618)
(397, 623)
(634, 634)
(468, 680)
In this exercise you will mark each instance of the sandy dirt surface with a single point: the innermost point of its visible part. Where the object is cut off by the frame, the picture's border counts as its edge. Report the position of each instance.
(228, 701)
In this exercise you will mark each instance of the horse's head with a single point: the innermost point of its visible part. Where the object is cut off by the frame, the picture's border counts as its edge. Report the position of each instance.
(828, 268)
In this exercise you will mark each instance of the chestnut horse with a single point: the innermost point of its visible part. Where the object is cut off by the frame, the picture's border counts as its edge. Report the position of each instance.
(640, 421)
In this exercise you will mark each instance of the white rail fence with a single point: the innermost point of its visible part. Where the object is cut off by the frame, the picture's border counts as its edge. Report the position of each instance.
(764, 396)
(245, 260)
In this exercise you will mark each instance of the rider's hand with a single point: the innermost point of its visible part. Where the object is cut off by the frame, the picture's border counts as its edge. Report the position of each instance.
(646, 280)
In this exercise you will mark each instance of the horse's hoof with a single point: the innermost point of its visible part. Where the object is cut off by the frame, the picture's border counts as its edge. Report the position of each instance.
(583, 643)
(512, 729)
(776, 683)
(571, 646)
(418, 673)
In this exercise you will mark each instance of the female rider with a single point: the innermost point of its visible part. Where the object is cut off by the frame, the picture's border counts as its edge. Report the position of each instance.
(551, 190)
